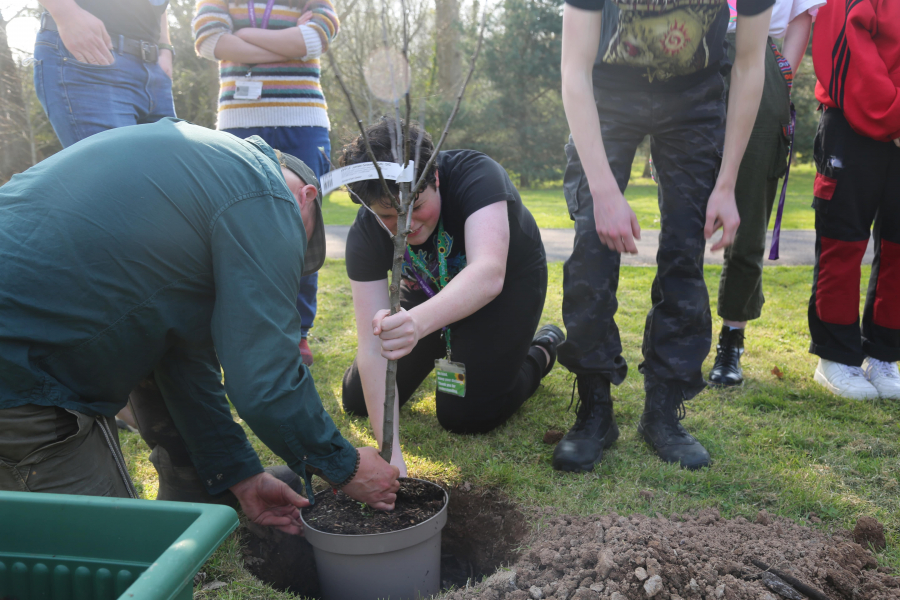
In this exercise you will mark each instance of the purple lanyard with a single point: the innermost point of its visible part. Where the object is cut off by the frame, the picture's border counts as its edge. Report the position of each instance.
(251, 10)
(776, 232)
(421, 280)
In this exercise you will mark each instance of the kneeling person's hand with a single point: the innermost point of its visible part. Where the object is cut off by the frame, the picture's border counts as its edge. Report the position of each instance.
(399, 333)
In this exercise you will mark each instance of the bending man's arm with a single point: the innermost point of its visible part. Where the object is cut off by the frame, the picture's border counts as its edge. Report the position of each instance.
(257, 261)
(747, 78)
(616, 223)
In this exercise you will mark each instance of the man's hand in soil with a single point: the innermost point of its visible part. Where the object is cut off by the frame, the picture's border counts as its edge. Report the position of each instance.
(376, 481)
(616, 223)
(270, 502)
(83, 34)
(722, 212)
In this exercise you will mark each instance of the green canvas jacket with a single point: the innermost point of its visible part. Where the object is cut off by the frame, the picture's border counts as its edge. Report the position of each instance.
(172, 249)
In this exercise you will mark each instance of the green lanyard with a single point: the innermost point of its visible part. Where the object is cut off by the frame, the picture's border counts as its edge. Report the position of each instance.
(423, 274)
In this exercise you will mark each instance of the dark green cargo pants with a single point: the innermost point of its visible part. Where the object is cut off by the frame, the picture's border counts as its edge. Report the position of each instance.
(53, 450)
(765, 160)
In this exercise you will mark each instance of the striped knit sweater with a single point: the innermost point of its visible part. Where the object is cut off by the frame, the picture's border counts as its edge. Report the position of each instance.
(291, 93)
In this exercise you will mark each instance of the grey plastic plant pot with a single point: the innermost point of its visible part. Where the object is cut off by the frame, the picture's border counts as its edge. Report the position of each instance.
(398, 565)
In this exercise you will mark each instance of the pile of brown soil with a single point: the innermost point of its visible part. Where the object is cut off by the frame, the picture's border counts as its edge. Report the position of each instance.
(417, 501)
(699, 557)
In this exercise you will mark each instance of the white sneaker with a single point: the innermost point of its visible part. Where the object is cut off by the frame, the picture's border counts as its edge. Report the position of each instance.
(884, 376)
(844, 380)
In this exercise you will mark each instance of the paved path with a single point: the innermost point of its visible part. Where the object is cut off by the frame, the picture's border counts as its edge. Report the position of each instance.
(797, 247)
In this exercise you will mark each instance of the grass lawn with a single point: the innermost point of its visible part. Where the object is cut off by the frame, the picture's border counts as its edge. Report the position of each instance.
(784, 445)
(549, 205)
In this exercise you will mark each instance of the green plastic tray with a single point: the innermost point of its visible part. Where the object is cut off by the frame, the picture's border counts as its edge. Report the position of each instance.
(58, 547)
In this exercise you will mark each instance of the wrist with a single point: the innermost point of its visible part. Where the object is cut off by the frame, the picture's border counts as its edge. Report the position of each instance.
(352, 475)
(63, 12)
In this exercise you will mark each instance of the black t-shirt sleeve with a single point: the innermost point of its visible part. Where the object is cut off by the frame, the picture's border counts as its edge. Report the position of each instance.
(475, 181)
(587, 4)
(752, 7)
(369, 249)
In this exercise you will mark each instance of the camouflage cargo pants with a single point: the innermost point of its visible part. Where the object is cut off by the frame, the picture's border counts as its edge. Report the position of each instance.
(687, 131)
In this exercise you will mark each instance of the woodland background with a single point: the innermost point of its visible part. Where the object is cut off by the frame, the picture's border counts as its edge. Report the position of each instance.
(512, 111)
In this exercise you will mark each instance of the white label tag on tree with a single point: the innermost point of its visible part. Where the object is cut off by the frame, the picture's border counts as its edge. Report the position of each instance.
(248, 90)
(366, 170)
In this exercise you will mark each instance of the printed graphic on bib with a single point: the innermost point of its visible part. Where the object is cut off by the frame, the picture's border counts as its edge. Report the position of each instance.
(666, 43)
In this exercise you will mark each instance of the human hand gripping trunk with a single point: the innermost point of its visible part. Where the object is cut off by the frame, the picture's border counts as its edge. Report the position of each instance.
(616, 223)
(375, 483)
(747, 78)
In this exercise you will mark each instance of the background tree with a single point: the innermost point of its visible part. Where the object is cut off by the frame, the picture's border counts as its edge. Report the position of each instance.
(195, 85)
(448, 55)
(520, 121)
(16, 151)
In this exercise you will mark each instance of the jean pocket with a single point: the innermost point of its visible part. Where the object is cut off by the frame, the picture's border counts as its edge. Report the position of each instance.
(39, 82)
(69, 58)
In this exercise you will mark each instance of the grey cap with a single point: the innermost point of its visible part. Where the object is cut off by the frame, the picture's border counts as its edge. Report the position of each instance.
(315, 246)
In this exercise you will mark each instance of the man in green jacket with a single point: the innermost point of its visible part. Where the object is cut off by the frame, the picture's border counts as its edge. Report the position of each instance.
(179, 249)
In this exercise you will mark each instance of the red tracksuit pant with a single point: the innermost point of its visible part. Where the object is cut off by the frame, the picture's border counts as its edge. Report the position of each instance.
(857, 184)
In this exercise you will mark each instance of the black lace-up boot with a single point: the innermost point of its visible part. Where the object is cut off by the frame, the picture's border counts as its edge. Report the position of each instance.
(727, 369)
(660, 426)
(549, 337)
(594, 430)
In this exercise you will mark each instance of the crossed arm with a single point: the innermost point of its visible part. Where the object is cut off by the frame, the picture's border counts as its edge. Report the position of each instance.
(253, 46)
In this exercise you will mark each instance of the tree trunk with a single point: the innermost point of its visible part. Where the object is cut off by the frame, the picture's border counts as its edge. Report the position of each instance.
(648, 170)
(15, 148)
(447, 47)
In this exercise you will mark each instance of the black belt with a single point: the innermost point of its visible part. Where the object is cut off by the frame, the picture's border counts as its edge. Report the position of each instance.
(146, 51)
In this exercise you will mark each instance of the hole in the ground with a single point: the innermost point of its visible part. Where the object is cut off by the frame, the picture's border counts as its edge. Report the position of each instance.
(484, 530)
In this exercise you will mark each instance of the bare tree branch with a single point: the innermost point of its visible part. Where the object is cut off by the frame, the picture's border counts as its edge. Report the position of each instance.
(459, 97)
(362, 130)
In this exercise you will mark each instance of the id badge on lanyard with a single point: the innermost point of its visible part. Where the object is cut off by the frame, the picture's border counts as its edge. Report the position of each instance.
(247, 89)
(451, 376)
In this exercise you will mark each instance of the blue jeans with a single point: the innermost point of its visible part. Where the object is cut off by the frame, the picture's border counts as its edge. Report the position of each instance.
(304, 143)
(82, 99)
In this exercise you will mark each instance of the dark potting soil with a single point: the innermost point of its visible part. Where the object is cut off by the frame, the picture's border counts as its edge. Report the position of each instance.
(689, 557)
(417, 501)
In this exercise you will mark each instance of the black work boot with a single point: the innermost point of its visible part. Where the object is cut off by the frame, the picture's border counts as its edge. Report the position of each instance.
(594, 430)
(660, 426)
(549, 337)
(727, 369)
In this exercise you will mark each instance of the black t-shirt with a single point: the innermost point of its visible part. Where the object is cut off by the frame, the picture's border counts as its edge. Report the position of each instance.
(662, 44)
(136, 19)
(469, 181)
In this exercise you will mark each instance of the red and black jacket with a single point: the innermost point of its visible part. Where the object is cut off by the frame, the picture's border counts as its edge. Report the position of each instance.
(856, 55)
